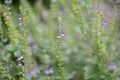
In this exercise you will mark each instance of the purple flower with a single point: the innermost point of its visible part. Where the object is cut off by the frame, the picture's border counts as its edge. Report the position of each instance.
(62, 34)
(95, 7)
(104, 23)
(49, 71)
(20, 57)
(19, 64)
(59, 36)
(35, 48)
(29, 39)
(20, 17)
(111, 65)
(118, 2)
(19, 24)
(33, 72)
(8, 1)
(44, 16)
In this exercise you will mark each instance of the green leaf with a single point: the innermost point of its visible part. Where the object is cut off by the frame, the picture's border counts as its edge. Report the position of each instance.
(10, 47)
(91, 71)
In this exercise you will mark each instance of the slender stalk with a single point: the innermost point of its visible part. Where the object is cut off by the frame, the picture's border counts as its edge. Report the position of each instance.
(59, 51)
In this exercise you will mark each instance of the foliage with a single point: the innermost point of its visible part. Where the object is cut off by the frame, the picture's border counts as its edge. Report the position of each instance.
(59, 40)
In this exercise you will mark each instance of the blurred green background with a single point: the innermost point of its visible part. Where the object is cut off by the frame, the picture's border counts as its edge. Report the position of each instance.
(77, 45)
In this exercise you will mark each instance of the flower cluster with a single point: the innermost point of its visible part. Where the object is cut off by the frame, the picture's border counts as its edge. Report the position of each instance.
(60, 34)
(111, 65)
(8, 2)
(49, 71)
(20, 17)
(19, 59)
(104, 24)
(33, 72)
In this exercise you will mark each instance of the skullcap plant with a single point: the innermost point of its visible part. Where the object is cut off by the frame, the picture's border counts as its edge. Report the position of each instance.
(34, 44)
(76, 8)
(60, 35)
(100, 50)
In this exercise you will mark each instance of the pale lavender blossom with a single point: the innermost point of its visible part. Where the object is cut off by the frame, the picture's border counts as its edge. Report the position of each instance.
(20, 17)
(29, 39)
(33, 72)
(62, 34)
(49, 71)
(44, 16)
(19, 64)
(35, 48)
(104, 24)
(19, 24)
(8, 1)
(20, 57)
(59, 36)
(95, 7)
(118, 2)
(111, 65)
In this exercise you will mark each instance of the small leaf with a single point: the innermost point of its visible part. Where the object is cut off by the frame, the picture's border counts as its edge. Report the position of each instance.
(10, 47)
(91, 71)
